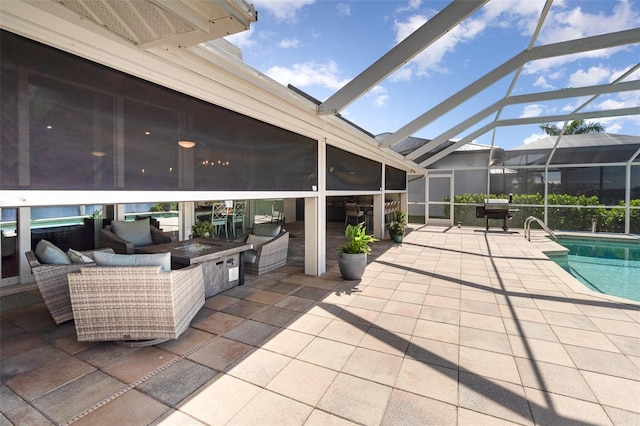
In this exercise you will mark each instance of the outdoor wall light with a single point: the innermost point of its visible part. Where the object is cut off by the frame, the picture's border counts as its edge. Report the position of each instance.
(186, 144)
(98, 153)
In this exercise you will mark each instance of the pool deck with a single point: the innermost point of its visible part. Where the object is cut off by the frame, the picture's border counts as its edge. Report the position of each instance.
(453, 326)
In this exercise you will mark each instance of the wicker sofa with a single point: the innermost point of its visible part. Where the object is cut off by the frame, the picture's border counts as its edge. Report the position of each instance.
(53, 284)
(139, 305)
(271, 245)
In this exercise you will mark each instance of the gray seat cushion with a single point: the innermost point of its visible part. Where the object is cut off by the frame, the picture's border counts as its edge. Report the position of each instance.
(110, 259)
(250, 256)
(137, 232)
(266, 229)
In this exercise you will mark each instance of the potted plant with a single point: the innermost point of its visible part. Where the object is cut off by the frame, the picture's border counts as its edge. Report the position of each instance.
(398, 226)
(352, 256)
(203, 229)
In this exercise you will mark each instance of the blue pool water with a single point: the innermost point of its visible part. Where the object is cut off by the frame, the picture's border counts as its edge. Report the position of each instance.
(604, 265)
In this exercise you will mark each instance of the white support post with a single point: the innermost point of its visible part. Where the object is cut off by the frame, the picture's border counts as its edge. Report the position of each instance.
(24, 242)
(186, 219)
(378, 216)
(314, 237)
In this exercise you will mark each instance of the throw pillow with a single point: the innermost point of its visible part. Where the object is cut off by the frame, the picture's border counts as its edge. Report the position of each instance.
(76, 257)
(257, 240)
(112, 259)
(137, 232)
(47, 252)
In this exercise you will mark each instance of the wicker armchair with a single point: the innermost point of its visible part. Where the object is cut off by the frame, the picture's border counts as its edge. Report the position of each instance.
(54, 286)
(108, 238)
(135, 303)
(270, 255)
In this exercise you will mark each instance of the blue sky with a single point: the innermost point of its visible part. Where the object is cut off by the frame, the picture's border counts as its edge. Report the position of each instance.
(319, 45)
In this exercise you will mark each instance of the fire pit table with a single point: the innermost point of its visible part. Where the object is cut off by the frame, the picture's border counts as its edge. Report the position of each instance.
(222, 261)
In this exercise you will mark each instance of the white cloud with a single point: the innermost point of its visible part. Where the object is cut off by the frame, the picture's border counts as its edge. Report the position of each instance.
(379, 95)
(615, 74)
(541, 81)
(630, 123)
(343, 9)
(402, 74)
(289, 43)
(561, 24)
(591, 77)
(612, 128)
(431, 58)
(505, 14)
(411, 5)
(569, 24)
(309, 74)
(243, 39)
(282, 10)
(533, 110)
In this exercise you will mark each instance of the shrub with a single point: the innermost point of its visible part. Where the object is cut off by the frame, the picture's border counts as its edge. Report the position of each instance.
(564, 218)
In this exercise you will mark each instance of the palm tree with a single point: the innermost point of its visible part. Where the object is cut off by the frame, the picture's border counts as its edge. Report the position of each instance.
(576, 127)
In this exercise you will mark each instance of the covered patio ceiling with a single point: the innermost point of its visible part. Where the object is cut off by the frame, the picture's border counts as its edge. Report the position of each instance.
(151, 23)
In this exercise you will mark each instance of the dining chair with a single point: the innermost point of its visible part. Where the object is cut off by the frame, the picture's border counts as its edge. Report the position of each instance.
(220, 217)
(352, 210)
(239, 208)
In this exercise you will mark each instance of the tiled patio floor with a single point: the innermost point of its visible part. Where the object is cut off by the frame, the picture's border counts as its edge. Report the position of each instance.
(453, 326)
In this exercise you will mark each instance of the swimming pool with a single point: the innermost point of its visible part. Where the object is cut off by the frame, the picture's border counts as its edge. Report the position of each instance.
(605, 265)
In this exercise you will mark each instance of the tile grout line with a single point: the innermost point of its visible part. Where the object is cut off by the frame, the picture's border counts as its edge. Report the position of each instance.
(138, 382)
(135, 384)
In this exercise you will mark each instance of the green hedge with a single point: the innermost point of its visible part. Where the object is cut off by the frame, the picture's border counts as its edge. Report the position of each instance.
(562, 218)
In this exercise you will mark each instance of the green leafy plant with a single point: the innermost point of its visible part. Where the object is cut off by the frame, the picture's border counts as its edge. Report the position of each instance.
(561, 216)
(357, 240)
(203, 229)
(398, 225)
(164, 207)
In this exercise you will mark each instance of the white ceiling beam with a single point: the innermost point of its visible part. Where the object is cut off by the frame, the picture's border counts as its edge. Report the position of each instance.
(402, 53)
(520, 99)
(528, 120)
(541, 52)
(569, 117)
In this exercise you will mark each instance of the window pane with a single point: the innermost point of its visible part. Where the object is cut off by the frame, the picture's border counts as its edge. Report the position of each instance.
(395, 178)
(350, 171)
(97, 128)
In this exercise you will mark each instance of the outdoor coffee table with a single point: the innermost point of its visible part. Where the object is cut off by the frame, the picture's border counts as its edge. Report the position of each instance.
(222, 261)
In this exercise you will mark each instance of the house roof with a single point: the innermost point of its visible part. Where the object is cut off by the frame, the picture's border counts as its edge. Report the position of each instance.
(581, 141)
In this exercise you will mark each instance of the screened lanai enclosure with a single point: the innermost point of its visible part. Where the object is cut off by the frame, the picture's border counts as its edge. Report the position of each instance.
(572, 182)
(117, 109)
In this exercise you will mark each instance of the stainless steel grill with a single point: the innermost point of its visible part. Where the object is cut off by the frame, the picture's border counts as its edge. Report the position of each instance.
(497, 209)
